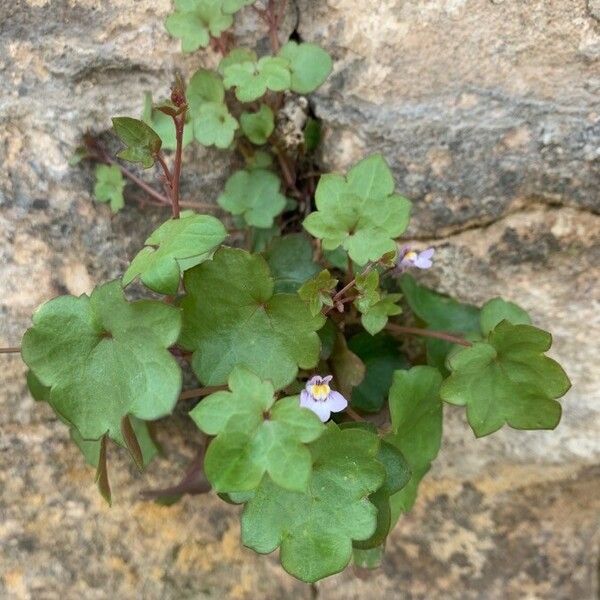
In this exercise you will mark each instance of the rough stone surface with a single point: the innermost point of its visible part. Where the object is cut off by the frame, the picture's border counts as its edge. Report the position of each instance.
(489, 113)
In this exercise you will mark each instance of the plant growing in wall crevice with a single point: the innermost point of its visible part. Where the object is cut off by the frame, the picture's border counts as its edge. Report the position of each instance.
(283, 296)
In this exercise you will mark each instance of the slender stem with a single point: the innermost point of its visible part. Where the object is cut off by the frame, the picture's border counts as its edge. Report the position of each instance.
(179, 125)
(201, 392)
(440, 335)
(137, 180)
(161, 161)
(13, 350)
(347, 287)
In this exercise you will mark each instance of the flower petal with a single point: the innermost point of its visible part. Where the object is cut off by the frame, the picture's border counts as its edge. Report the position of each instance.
(336, 402)
(314, 380)
(327, 378)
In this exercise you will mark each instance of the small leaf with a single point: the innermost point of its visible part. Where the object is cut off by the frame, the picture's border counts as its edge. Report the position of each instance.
(232, 317)
(381, 357)
(109, 186)
(360, 212)
(164, 126)
(374, 319)
(416, 413)
(315, 529)
(291, 262)
(143, 143)
(367, 287)
(78, 155)
(105, 358)
(256, 435)
(255, 195)
(310, 66)
(260, 159)
(507, 379)
(195, 21)
(204, 86)
(235, 57)
(214, 125)
(312, 134)
(316, 292)
(258, 126)
(178, 244)
(496, 310)
(251, 80)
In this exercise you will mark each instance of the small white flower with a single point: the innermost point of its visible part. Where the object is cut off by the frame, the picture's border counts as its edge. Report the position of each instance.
(321, 399)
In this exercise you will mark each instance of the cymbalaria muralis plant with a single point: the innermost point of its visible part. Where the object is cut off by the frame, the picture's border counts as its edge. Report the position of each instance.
(287, 309)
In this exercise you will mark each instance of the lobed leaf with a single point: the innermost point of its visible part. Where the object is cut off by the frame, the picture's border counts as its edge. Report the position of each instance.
(109, 186)
(195, 21)
(309, 64)
(360, 212)
(507, 379)
(290, 259)
(105, 358)
(177, 245)
(254, 194)
(256, 435)
(315, 529)
(233, 317)
(258, 126)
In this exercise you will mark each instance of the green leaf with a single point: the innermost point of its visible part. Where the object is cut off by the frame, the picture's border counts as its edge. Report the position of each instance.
(232, 6)
(316, 292)
(143, 143)
(290, 259)
(80, 153)
(315, 529)
(374, 319)
(367, 287)
(255, 195)
(312, 134)
(178, 244)
(381, 357)
(256, 435)
(360, 213)
(232, 317)
(195, 21)
(260, 239)
(397, 476)
(204, 86)
(260, 159)
(507, 379)
(252, 79)
(236, 56)
(109, 186)
(440, 312)
(164, 126)
(105, 358)
(416, 414)
(496, 310)
(258, 126)
(91, 448)
(214, 125)
(310, 66)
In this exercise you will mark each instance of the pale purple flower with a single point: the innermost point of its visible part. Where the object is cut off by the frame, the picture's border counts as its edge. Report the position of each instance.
(321, 399)
(408, 258)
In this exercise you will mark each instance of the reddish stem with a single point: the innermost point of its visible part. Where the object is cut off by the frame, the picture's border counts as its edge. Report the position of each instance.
(349, 285)
(440, 335)
(13, 350)
(179, 121)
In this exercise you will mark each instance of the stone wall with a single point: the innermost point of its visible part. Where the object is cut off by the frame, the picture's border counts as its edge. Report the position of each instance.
(489, 112)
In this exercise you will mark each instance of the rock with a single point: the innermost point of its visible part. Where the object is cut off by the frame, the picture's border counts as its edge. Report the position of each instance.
(488, 113)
